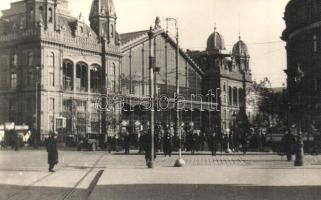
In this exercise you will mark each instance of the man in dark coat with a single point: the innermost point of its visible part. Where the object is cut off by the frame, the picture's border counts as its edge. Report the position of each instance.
(147, 146)
(168, 141)
(212, 141)
(288, 141)
(51, 145)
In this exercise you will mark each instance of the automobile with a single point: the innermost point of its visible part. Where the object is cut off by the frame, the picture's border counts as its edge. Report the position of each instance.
(90, 141)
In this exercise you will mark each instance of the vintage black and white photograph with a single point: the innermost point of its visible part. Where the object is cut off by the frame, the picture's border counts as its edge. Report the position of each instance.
(160, 99)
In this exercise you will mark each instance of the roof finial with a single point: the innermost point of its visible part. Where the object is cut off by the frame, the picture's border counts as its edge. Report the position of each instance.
(215, 27)
(157, 23)
(239, 35)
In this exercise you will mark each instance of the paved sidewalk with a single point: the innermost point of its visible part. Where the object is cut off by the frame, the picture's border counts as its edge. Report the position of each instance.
(24, 175)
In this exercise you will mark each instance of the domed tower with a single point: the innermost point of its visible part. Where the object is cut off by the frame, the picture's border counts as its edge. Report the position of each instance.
(103, 19)
(215, 42)
(241, 56)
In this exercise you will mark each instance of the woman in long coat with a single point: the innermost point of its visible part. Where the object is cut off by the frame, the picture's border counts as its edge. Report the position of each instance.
(51, 145)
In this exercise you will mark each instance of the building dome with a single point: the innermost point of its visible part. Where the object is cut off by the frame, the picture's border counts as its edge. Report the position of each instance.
(215, 41)
(240, 49)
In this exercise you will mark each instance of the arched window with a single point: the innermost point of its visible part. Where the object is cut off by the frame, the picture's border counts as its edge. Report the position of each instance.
(112, 31)
(230, 95)
(50, 15)
(68, 67)
(112, 77)
(51, 59)
(81, 76)
(95, 78)
(241, 97)
(14, 60)
(30, 58)
(31, 16)
(41, 14)
(235, 98)
(51, 68)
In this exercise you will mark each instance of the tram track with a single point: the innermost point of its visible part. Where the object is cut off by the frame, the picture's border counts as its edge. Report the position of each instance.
(68, 194)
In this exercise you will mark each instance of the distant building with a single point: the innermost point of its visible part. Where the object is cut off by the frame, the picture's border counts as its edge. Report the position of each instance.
(230, 74)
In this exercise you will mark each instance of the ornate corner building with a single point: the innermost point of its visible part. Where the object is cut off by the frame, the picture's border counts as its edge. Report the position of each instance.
(55, 66)
(302, 36)
(230, 74)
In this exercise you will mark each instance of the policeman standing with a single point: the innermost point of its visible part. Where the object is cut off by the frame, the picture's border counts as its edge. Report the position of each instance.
(212, 141)
(288, 141)
(147, 144)
(167, 141)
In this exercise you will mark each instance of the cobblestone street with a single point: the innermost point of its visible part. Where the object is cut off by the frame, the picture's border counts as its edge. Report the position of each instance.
(98, 175)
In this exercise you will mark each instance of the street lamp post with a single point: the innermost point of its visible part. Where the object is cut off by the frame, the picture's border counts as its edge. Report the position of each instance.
(150, 163)
(179, 162)
(37, 134)
(228, 150)
(299, 155)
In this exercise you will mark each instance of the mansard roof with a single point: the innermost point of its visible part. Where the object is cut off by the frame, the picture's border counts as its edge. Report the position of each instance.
(127, 37)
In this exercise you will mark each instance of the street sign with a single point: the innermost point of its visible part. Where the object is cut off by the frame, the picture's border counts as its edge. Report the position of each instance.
(21, 127)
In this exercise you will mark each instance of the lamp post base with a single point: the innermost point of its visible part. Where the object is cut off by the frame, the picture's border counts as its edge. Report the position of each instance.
(179, 163)
(228, 150)
(150, 164)
(299, 157)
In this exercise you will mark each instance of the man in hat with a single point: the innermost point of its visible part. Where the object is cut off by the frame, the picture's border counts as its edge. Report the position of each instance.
(51, 145)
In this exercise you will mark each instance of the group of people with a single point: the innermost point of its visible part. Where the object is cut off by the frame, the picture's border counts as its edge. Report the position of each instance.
(167, 140)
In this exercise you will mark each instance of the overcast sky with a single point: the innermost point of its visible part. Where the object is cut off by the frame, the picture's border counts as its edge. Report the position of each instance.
(259, 21)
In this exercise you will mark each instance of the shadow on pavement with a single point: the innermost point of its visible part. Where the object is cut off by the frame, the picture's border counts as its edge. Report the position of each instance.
(14, 192)
(203, 192)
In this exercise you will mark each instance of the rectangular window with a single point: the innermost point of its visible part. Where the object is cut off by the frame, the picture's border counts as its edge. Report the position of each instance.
(12, 105)
(52, 123)
(52, 79)
(52, 105)
(29, 78)
(29, 105)
(13, 80)
(14, 60)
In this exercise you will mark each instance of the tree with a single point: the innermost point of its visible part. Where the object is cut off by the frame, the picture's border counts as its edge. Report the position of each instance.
(272, 104)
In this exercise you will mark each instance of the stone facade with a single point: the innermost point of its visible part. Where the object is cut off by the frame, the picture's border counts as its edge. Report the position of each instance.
(41, 43)
(54, 66)
(227, 75)
(302, 36)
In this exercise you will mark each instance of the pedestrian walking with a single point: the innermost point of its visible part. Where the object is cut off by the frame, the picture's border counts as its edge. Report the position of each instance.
(51, 145)
(127, 144)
